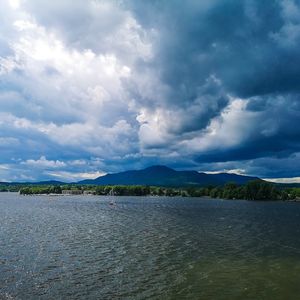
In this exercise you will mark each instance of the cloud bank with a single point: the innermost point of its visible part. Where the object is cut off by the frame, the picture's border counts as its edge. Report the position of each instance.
(97, 86)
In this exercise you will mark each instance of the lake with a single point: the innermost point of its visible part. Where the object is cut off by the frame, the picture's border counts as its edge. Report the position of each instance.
(81, 247)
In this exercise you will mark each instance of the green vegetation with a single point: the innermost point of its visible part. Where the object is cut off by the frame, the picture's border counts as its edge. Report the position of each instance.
(294, 192)
(253, 190)
(31, 190)
(9, 188)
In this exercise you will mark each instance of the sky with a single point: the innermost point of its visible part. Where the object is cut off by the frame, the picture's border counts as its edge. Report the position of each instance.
(89, 87)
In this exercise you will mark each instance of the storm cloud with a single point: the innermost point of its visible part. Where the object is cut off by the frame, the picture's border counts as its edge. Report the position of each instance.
(90, 87)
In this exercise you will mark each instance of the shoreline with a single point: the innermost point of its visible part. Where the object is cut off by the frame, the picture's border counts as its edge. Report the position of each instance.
(156, 196)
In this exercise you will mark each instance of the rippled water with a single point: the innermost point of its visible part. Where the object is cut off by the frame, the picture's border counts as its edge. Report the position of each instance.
(80, 247)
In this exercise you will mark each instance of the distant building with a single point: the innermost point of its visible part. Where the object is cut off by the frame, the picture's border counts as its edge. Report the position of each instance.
(89, 192)
(71, 192)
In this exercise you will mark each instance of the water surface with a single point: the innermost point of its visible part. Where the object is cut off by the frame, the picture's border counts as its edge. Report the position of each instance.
(80, 247)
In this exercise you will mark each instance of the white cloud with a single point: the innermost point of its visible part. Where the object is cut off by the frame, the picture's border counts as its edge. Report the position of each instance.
(42, 162)
(73, 94)
(229, 171)
(4, 167)
(75, 176)
(15, 4)
(284, 180)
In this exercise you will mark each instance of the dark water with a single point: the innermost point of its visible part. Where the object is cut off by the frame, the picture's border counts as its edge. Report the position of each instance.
(76, 247)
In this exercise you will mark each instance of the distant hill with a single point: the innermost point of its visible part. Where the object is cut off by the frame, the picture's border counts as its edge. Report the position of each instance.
(287, 185)
(164, 176)
(158, 176)
(48, 182)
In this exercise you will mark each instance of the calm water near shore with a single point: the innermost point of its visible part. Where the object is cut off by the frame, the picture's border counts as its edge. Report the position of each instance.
(81, 247)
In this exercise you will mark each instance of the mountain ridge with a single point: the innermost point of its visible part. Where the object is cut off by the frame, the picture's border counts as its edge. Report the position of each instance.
(159, 175)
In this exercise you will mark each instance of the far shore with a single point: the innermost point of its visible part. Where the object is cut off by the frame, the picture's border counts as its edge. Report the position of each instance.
(297, 199)
(252, 190)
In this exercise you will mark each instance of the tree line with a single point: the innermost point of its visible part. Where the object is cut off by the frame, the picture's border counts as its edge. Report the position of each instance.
(253, 190)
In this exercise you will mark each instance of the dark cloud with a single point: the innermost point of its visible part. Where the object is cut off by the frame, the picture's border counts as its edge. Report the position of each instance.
(240, 42)
(252, 48)
(197, 84)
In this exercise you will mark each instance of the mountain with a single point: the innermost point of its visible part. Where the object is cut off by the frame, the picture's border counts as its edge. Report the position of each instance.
(164, 176)
(49, 182)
